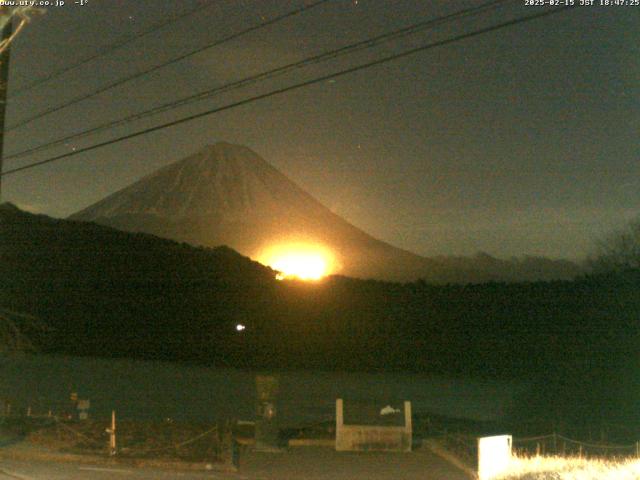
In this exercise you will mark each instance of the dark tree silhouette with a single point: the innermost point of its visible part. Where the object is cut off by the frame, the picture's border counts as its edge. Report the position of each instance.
(618, 251)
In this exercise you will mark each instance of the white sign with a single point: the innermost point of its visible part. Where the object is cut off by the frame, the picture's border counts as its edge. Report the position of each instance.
(389, 410)
(494, 456)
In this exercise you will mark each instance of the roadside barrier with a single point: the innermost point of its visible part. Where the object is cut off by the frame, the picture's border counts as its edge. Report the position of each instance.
(101, 438)
(176, 446)
(91, 441)
(466, 449)
(555, 444)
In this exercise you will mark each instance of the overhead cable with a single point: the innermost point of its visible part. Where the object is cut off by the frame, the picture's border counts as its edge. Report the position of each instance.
(296, 86)
(272, 73)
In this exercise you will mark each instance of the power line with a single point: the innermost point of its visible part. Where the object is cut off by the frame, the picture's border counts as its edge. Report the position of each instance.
(331, 54)
(179, 58)
(110, 48)
(296, 86)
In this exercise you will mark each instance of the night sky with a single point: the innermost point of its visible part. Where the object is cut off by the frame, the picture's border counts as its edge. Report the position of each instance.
(520, 141)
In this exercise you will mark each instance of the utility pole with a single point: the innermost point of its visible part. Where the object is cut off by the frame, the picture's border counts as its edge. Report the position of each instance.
(4, 86)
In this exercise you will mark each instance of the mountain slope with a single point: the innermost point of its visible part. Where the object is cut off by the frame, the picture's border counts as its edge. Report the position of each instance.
(227, 195)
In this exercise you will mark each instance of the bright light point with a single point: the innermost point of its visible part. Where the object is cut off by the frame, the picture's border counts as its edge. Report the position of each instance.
(299, 261)
(240, 327)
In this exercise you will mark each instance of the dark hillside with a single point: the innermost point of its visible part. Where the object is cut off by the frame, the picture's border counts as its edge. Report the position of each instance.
(110, 293)
(106, 292)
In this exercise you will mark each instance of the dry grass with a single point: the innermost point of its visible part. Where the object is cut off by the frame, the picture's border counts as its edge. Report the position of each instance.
(568, 468)
(176, 441)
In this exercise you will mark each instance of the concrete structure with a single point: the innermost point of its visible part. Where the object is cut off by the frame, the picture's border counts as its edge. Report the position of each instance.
(373, 437)
(266, 424)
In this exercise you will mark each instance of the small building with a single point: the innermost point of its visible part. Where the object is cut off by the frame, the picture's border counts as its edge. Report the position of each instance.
(389, 430)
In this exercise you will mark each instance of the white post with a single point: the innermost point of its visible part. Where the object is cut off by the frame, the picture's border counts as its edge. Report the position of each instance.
(494, 456)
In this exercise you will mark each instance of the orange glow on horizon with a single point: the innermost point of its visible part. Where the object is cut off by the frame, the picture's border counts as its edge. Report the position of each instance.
(299, 261)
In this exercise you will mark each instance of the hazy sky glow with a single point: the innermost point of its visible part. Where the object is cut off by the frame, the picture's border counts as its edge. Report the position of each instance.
(521, 141)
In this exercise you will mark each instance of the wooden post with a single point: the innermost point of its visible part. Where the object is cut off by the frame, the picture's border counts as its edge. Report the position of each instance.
(408, 422)
(4, 85)
(112, 440)
(339, 423)
(112, 434)
(408, 428)
(637, 449)
(339, 414)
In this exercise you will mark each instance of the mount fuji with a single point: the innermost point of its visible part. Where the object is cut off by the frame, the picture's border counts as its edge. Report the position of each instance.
(227, 194)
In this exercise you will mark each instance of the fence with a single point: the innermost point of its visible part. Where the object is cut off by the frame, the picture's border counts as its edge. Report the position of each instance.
(165, 439)
(465, 447)
(555, 444)
(463, 450)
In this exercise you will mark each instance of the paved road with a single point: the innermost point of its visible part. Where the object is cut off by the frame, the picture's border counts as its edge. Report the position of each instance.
(21, 470)
(296, 464)
(327, 464)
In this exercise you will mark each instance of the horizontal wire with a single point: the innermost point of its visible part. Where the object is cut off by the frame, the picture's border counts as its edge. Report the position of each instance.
(280, 91)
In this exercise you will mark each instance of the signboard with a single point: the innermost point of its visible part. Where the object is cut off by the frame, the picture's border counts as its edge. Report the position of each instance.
(494, 456)
(83, 409)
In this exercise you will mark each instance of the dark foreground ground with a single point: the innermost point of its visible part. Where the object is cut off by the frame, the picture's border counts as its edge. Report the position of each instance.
(307, 463)
(327, 464)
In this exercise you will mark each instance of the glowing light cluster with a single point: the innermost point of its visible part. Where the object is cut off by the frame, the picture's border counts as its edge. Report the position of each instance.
(299, 261)
(301, 265)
